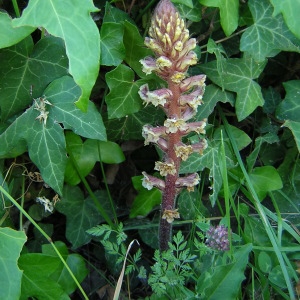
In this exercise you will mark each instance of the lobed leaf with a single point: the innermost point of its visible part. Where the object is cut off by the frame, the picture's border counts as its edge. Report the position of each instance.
(26, 66)
(82, 214)
(291, 11)
(268, 35)
(238, 76)
(10, 35)
(71, 21)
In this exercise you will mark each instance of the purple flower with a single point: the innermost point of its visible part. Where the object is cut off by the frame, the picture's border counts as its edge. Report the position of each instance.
(217, 238)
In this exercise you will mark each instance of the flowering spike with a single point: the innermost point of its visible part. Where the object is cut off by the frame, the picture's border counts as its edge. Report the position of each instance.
(173, 49)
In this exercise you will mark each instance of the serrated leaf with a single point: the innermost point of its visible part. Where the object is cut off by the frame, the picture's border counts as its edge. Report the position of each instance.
(229, 13)
(289, 108)
(83, 53)
(295, 129)
(291, 11)
(25, 66)
(11, 244)
(62, 93)
(123, 98)
(81, 214)
(268, 35)
(238, 76)
(225, 279)
(10, 35)
(112, 47)
(130, 127)
(145, 200)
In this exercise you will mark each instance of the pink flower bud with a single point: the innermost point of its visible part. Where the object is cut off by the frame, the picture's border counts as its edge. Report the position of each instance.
(156, 97)
(150, 181)
(188, 181)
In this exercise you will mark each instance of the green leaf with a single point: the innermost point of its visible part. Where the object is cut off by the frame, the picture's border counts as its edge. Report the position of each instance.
(265, 179)
(289, 108)
(114, 15)
(123, 98)
(62, 93)
(112, 47)
(225, 280)
(145, 200)
(264, 262)
(11, 244)
(86, 155)
(75, 262)
(10, 35)
(210, 160)
(188, 3)
(37, 278)
(295, 129)
(81, 214)
(238, 76)
(71, 21)
(291, 11)
(190, 12)
(24, 66)
(130, 127)
(268, 35)
(213, 94)
(229, 13)
(135, 49)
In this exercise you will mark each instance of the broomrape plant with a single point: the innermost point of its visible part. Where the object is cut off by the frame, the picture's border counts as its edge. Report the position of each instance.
(173, 49)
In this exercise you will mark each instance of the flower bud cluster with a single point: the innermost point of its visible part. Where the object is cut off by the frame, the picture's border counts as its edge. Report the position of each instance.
(173, 49)
(217, 238)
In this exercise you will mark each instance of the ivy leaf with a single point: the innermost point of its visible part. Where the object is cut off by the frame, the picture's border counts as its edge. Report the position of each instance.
(145, 200)
(295, 129)
(213, 94)
(188, 3)
(238, 76)
(289, 108)
(71, 21)
(82, 214)
(10, 35)
(291, 11)
(268, 35)
(62, 94)
(46, 141)
(210, 160)
(229, 13)
(112, 47)
(24, 66)
(11, 244)
(123, 98)
(190, 12)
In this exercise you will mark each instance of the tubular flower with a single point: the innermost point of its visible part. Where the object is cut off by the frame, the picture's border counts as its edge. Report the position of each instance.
(150, 181)
(157, 97)
(173, 50)
(189, 181)
(165, 168)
